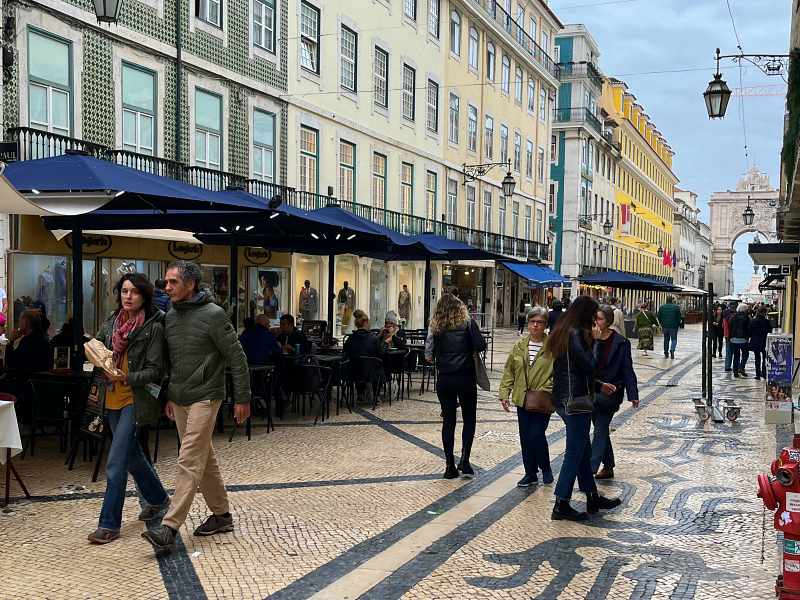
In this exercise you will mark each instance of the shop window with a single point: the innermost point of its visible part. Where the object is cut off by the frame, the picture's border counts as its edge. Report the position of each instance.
(111, 270)
(269, 292)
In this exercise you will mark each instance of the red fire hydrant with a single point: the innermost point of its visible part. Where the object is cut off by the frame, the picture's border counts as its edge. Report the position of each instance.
(781, 493)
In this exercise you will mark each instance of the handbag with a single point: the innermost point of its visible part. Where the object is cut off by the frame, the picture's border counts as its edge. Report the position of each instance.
(577, 405)
(537, 401)
(481, 376)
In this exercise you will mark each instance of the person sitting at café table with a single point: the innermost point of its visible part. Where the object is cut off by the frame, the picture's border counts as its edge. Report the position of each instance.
(362, 343)
(259, 345)
(393, 337)
(290, 337)
(29, 348)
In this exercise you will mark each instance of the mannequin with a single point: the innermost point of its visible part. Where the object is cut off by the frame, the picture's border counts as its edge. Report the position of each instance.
(346, 298)
(404, 303)
(309, 302)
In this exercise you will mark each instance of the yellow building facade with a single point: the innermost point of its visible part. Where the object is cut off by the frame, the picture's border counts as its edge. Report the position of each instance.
(645, 184)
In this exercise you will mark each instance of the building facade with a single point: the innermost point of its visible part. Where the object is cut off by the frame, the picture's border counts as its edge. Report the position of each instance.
(691, 239)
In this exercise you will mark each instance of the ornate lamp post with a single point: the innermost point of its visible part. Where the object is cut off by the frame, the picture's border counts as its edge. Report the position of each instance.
(472, 172)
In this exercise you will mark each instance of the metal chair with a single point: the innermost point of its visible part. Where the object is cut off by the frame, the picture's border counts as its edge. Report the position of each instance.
(367, 371)
(313, 380)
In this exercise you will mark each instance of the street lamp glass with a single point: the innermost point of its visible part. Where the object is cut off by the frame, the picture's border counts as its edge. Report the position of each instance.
(107, 11)
(660, 251)
(717, 95)
(748, 215)
(508, 185)
(607, 227)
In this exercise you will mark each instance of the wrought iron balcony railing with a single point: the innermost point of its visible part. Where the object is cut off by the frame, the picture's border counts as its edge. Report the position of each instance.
(32, 143)
(577, 115)
(581, 69)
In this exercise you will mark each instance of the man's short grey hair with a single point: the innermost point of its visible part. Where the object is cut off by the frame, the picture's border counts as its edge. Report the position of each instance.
(536, 311)
(189, 272)
(743, 307)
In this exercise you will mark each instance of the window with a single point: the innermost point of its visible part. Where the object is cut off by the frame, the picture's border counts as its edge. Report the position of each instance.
(49, 83)
(551, 197)
(487, 210)
(409, 98)
(518, 81)
(208, 129)
(505, 75)
(380, 77)
(532, 27)
(489, 137)
(546, 41)
(517, 151)
(410, 9)
(432, 117)
(209, 11)
(539, 225)
(472, 129)
(470, 207)
(263, 151)
(454, 119)
(473, 48)
(520, 24)
(455, 33)
(378, 180)
(349, 53)
(540, 165)
(527, 222)
(503, 143)
(309, 37)
(264, 24)
(515, 219)
(542, 104)
(407, 188)
(431, 195)
(138, 109)
(531, 94)
(490, 59)
(501, 215)
(347, 171)
(309, 160)
(433, 18)
(529, 160)
(554, 148)
(452, 201)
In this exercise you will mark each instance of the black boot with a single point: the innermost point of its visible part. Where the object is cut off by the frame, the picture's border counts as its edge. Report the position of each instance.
(594, 502)
(562, 511)
(451, 472)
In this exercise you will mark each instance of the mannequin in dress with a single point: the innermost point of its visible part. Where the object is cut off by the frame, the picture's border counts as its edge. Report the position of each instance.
(346, 298)
(404, 304)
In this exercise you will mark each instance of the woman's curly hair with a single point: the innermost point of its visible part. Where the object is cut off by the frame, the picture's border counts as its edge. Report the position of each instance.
(451, 313)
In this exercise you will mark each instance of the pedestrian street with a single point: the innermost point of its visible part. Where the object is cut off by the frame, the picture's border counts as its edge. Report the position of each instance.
(356, 507)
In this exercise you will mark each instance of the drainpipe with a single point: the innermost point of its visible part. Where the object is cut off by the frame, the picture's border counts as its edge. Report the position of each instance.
(178, 77)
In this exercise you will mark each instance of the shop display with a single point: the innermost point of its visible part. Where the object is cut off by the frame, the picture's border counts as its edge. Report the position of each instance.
(404, 303)
(778, 403)
(309, 302)
(346, 299)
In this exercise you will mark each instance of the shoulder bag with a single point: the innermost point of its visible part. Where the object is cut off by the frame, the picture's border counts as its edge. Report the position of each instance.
(537, 401)
(481, 376)
(577, 405)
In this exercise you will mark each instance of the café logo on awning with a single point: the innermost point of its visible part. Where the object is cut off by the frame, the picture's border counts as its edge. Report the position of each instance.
(92, 243)
(185, 250)
(258, 256)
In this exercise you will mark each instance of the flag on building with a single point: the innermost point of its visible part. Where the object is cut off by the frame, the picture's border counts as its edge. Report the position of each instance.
(665, 257)
(625, 218)
(674, 258)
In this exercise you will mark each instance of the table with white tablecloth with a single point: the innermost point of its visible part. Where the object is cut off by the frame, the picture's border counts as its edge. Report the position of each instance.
(10, 446)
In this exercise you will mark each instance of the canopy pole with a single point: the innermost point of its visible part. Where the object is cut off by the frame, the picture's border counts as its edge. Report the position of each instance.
(77, 291)
(233, 292)
(427, 303)
(331, 292)
(706, 344)
(708, 371)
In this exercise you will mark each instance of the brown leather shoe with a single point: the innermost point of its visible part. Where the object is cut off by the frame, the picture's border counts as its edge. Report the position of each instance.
(605, 474)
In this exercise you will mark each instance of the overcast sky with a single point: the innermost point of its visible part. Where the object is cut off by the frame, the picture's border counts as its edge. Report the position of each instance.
(637, 37)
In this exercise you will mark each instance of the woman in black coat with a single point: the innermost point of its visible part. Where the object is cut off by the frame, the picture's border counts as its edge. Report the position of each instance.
(573, 350)
(759, 329)
(615, 377)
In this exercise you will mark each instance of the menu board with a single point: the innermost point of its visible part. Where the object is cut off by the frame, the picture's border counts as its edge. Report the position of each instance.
(778, 401)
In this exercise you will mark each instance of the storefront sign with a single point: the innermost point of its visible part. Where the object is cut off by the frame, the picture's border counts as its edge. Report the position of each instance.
(258, 256)
(8, 151)
(778, 401)
(185, 250)
(92, 243)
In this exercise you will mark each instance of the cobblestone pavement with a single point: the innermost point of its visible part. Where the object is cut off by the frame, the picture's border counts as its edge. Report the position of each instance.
(356, 508)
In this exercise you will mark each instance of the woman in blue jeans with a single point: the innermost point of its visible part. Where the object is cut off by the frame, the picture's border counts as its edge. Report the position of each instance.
(135, 335)
(615, 377)
(573, 350)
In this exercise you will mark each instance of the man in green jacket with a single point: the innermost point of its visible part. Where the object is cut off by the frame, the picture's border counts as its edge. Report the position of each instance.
(201, 342)
(670, 318)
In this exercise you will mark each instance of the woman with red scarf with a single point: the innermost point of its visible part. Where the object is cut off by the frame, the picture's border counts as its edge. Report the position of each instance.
(135, 334)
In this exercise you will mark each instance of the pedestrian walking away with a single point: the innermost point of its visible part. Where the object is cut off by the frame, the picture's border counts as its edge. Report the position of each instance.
(615, 378)
(619, 318)
(717, 332)
(759, 329)
(528, 382)
(453, 339)
(201, 342)
(571, 346)
(671, 319)
(646, 323)
(740, 339)
(727, 315)
(554, 315)
(135, 335)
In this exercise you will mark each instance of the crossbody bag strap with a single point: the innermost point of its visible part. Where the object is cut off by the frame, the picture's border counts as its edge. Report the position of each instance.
(569, 378)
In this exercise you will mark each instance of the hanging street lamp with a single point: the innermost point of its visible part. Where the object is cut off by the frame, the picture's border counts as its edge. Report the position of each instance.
(607, 227)
(660, 251)
(748, 215)
(472, 172)
(107, 11)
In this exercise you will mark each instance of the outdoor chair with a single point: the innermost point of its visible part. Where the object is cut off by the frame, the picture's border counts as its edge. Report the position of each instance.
(366, 371)
(313, 380)
(395, 366)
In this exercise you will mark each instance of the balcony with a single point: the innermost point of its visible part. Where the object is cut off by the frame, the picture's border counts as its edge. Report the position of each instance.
(585, 221)
(577, 116)
(581, 69)
(517, 32)
(32, 143)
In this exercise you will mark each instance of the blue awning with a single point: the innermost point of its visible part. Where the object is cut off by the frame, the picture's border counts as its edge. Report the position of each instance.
(454, 249)
(536, 275)
(623, 280)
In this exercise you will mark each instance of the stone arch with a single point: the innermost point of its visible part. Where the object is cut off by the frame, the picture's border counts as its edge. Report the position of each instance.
(727, 224)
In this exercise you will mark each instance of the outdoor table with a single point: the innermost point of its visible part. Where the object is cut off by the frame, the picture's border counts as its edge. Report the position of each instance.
(11, 442)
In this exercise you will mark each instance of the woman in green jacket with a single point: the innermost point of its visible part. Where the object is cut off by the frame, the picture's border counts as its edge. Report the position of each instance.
(646, 323)
(135, 334)
(528, 368)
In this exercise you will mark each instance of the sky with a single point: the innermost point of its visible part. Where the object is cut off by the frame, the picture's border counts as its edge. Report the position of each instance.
(677, 39)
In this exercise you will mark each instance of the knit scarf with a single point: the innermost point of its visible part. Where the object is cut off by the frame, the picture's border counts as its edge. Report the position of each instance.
(124, 325)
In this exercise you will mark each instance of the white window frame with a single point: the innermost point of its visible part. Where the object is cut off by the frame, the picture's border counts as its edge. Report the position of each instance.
(473, 51)
(452, 201)
(432, 112)
(379, 199)
(203, 14)
(306, 159)
(434, 18)
(454, 118)
(488, 136)
(542, 104)
(262, 148)
(472, 128)
(455, 32)
(503, 143)
(531, 95)
(529, 159)
(519, 80)
(380, 79)
(505, 74)
(491, 60)
(471, 194)
(209, 134)
(410, 9)
(140, 113)
(487, 210)
(409, 92)
(345, 169)
(51, 88)
(517, 164)
(262, 9)
(348, 57)
(540, 164)
(310, 44)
